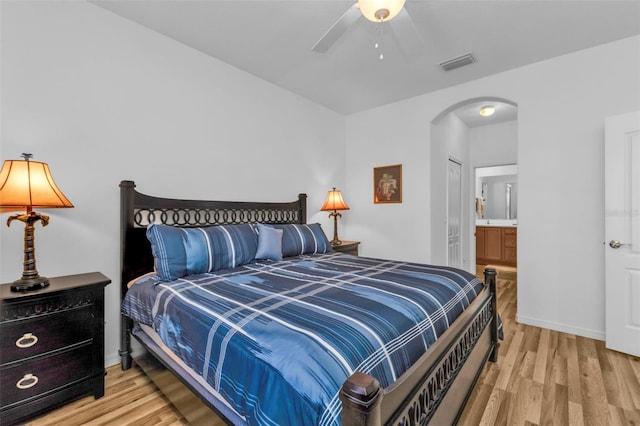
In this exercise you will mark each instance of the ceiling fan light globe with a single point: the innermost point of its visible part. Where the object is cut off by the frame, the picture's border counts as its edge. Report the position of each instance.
(380, 10)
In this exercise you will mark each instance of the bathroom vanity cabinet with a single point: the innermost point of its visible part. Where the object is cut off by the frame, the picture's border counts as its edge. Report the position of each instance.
(496, 245)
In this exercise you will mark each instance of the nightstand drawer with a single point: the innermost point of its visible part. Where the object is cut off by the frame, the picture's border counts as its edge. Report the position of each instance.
(22, 339)
(20, 381)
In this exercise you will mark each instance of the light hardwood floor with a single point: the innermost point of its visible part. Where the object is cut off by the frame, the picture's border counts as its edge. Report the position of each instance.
(545, 377)
(542, 377)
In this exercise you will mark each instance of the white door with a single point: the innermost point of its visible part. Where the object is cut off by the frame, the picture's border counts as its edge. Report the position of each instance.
(454, 214)
(622, 232)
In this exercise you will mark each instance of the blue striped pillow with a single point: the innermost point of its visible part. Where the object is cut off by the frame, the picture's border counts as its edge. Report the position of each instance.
(303, 239)
(182, 251)
(169, 255)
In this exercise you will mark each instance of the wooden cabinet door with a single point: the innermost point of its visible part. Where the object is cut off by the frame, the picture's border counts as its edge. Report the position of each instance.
(510, 240)
(480, 243)
(510, 255)
(493, 243)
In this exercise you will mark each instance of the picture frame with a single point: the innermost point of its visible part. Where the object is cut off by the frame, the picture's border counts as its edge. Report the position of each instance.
(387, 184)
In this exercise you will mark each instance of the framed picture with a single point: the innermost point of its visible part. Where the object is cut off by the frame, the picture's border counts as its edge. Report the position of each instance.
(387, 184)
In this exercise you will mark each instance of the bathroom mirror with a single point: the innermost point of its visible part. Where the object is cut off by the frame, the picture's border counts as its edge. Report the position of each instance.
(497, 192)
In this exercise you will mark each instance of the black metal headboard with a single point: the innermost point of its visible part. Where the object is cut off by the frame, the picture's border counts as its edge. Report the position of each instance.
(139, 210)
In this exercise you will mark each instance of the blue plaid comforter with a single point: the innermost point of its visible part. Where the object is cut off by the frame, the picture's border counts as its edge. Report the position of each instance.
(278, 339)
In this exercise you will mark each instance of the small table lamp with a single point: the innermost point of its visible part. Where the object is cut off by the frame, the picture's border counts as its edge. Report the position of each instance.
(25, 185)
(334, 202)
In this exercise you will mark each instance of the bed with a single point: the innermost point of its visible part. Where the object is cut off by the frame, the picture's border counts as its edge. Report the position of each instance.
(416, 367)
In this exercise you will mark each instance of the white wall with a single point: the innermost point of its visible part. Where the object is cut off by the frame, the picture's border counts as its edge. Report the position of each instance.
(392, 231)
(562, 105)
(493, 144)
(102, 99)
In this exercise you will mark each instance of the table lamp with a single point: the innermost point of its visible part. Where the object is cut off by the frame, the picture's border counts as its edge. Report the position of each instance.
(334, 202)
(25, 185)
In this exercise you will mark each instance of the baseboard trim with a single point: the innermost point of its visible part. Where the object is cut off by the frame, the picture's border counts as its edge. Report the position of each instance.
(111, 360)
(563, 328)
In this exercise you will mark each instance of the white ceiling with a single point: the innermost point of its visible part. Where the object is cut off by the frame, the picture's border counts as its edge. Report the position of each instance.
(273, 39)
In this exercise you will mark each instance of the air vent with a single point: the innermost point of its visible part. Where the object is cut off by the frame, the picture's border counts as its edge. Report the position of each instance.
(458, 62)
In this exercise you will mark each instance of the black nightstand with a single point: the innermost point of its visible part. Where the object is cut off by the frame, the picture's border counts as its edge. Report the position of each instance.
(349, 247)
(51, 345)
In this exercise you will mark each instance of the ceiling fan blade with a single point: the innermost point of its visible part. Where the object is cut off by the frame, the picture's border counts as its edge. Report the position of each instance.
(406, 34)
(335, 32)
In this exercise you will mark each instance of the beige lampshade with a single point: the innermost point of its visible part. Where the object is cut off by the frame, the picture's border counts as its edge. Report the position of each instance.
(27, 185)
(376, 10)
(334, 201)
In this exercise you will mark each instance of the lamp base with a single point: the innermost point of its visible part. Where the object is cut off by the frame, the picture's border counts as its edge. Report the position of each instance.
(29, 284)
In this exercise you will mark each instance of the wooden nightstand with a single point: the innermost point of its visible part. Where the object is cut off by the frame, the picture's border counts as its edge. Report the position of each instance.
(349, 247)
(51, 345)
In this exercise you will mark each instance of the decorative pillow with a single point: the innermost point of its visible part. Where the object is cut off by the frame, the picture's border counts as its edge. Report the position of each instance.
(170, 257)
(219, 247)
(303, 239)
(269, 242)
(182, 251)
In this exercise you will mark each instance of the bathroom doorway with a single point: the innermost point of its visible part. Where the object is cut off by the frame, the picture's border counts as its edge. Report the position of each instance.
(496, 217)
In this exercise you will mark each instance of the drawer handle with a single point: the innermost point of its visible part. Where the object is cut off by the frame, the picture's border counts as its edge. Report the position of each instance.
(27, 340)
(27, 381)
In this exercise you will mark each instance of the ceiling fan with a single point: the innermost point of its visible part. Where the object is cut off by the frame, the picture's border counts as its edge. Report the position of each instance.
(379, 11)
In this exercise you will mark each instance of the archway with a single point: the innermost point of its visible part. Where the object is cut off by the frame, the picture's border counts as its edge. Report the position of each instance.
(460, 134)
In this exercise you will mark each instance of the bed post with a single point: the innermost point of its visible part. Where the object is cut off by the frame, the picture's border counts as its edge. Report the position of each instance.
(126, 224)
(490, 281)
(361, 396)
(302, 209)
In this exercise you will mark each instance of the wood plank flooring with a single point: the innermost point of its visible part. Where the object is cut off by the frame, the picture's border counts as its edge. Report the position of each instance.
(130, 399)
(545, 377)
(542, 377)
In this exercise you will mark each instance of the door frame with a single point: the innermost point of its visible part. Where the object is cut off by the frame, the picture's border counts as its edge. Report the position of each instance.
(460, 215)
